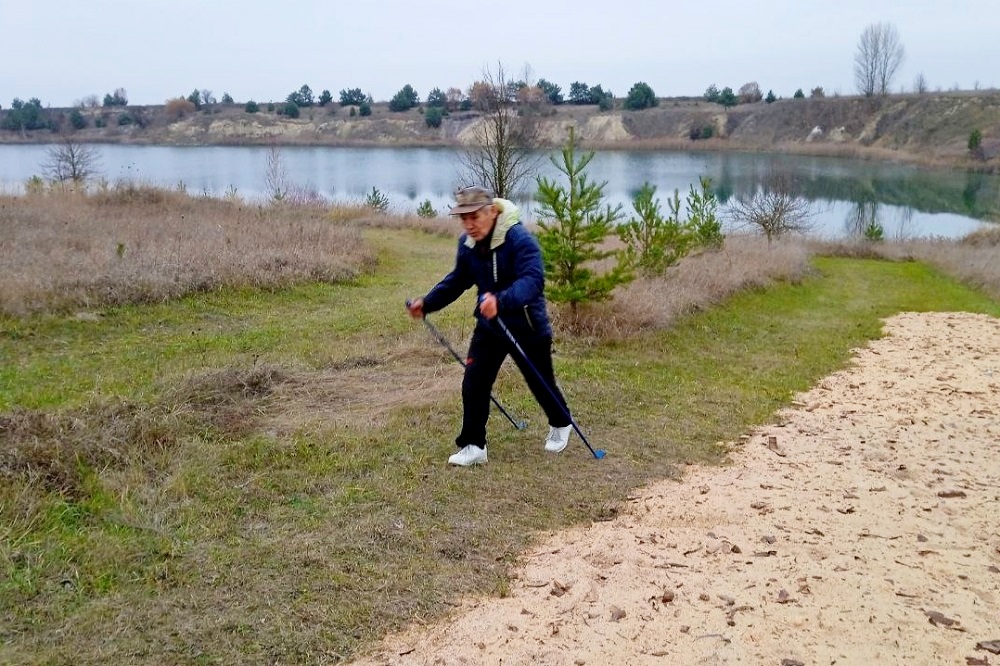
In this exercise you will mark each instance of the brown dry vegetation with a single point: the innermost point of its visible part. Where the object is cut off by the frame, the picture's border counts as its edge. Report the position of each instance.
(698, 281)
(130, 243)
(971, 260)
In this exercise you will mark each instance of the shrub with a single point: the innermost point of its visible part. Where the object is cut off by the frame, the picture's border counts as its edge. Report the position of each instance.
(817, 92)
(437, 97)
(976, 143)
(750, 93)
(352, 97)
(653, 242)
(227, 99)
(119, 98)
(433, 116)
(728, 98)
(706, 131)
(251, 107)
(799, 94)
(302, 97)
(365, 108)
(426, 210)
(874, 232)
(290, 109)
(377, 201)
(25, 115)
(551, 91)
(641, 96)
(703, 216)
(77, 119)
(405, 99)
(177, 108)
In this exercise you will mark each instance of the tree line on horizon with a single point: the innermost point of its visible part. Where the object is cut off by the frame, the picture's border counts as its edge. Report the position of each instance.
(878, 56)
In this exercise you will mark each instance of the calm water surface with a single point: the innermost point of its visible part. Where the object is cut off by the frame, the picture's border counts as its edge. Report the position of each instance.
(908, 201)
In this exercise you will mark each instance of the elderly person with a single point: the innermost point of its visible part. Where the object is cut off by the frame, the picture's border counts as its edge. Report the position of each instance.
(501, 258)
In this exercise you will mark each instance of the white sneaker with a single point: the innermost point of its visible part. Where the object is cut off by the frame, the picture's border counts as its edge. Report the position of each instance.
(470, 455)
(558, 439)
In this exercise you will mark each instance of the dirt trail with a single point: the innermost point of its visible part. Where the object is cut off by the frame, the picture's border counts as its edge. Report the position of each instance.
(863, 529)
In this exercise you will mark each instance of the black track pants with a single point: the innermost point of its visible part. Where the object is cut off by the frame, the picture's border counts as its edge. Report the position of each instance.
(487, 351)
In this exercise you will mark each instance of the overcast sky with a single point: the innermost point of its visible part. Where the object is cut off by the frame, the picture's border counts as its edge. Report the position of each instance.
(62, 51)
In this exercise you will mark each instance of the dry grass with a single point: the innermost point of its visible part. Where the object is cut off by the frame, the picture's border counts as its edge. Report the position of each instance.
(697, 282)
(131, 243)
(971, 260)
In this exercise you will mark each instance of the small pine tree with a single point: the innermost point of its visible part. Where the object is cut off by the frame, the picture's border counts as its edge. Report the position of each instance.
(874, 232)
(433, 116)
(426, 209)
(574, 226)
(728, 98)
(976, 144)
(770, 97)
(703, 215)
(377, 201)
(654, 242)
(77, 119)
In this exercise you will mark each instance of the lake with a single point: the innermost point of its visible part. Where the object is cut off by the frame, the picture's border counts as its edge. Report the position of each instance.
(908, 201)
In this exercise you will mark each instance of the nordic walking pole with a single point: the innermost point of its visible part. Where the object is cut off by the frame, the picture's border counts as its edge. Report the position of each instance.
(520, 425)
(599, 453)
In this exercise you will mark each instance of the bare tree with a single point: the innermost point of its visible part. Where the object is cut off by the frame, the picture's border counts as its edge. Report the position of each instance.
(275, 174)
(773, 209)
(454, 99)
(920, 84)
(70, 160)
(878, 57)
(505, 151)
(750, 93)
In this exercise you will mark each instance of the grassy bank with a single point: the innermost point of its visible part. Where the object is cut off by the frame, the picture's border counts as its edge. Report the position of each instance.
(257, 476)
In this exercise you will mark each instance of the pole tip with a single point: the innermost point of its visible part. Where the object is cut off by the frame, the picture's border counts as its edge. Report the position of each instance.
(600, 453)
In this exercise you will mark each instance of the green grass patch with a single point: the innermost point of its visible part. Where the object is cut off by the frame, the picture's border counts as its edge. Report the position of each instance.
(207, 526)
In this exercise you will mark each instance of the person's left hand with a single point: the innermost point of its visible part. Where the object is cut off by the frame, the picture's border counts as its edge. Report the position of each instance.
(488, 305)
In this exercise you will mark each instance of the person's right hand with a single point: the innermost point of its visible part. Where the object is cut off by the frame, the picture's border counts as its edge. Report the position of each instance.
(416, 308)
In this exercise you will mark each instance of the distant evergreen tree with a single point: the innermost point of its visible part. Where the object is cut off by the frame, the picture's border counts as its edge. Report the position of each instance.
(641, 96)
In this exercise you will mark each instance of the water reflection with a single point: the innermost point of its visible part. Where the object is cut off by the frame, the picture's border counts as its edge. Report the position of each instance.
(905, 200)
(874, 220)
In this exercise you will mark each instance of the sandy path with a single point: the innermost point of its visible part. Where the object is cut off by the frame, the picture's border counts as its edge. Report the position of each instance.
(864, 529)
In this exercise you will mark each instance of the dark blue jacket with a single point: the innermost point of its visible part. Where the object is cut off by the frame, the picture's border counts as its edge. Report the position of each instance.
(510, 268)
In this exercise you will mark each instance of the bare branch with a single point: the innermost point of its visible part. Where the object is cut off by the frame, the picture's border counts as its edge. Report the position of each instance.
(878, 57)
(505, 151)
(70, 160)
(773, 209)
